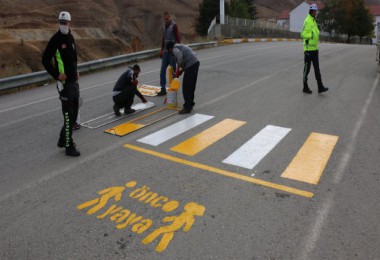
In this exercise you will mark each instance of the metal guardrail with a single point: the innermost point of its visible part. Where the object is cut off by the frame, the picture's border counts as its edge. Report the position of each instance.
(41, 76)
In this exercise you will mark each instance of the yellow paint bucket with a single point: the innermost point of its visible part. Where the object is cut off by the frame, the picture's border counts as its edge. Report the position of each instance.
(174, 85)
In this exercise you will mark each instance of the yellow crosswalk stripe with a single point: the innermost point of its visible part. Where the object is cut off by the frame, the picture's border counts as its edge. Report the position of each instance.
(124, 129)
(131, 126)
(310, 161)
(206, 138)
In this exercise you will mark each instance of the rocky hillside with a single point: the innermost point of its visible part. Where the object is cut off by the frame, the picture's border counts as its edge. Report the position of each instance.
(102, 28)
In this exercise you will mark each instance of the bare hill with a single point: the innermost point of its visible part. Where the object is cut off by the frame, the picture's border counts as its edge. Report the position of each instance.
(102, 28)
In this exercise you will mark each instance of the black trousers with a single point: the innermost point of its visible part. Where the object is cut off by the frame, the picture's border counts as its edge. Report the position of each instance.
(125, 98)
(188, 85)
(312, 57)
(69, 97)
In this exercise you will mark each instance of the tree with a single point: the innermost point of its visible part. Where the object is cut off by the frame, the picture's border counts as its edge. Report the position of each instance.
(365, 23)
(327, 17)
(252, 8)
(351, 17)
(241, 9)
(208, 9)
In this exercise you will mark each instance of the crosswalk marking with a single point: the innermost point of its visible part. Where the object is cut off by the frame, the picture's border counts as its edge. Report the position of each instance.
(206, 138)
(251, 153)
(310, 161)
(124, 129)
(174, 130)
(307, 166)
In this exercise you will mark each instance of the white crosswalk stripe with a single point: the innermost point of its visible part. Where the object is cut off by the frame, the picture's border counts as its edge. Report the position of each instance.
(253, 151)
(174, 130)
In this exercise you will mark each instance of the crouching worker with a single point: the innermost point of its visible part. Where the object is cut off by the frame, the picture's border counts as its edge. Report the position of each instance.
(125, 90)
(187, 61)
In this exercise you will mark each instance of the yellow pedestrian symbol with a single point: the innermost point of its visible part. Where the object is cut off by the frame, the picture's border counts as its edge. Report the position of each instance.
(186, 219)
(106, 195)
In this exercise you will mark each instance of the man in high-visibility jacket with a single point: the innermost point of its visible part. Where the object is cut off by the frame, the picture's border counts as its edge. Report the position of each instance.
(310, 36)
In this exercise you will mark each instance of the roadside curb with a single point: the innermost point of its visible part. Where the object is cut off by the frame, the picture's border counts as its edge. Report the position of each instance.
(244, 40)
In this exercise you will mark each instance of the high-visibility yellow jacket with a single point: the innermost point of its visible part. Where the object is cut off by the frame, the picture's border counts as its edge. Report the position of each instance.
(310, 32)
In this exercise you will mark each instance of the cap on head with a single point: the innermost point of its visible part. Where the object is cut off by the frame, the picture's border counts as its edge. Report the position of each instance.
(313, 7)
(170, 45)
(136, 67)
(64, 16)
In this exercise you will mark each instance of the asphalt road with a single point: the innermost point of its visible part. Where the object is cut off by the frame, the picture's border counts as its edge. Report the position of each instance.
(200, 207)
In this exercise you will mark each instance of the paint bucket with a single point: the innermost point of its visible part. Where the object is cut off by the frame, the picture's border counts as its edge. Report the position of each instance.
(171, 98)
(174, 85)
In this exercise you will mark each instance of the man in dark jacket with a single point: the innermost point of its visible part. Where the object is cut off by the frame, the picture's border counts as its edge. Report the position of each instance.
(125, 90)
(60, 61)
(169, 33)
(187, 61)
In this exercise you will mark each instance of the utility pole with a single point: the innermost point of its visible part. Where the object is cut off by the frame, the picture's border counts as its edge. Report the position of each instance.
(221, 11)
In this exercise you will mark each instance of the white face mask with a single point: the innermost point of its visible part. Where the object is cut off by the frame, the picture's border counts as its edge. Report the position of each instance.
(64, 29)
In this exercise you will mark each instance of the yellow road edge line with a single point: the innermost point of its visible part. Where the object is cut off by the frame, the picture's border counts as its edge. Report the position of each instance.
(208, 137)
(311, 159)
(223, 172)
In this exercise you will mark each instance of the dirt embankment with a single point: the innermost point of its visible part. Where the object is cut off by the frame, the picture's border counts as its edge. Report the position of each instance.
(101, 28)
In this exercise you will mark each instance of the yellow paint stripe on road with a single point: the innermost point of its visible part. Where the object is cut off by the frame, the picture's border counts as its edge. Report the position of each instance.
(310, 161)
(206, 138)
(223, 172)
(124, 129)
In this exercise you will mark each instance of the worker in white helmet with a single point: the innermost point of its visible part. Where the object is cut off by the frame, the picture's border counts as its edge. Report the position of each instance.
(310, 36)
(60, 61)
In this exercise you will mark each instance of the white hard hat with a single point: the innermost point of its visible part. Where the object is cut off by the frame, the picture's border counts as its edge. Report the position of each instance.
(314, 7)
(65, 16)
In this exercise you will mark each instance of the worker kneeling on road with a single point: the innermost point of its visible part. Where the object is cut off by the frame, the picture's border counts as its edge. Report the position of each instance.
(125, 90)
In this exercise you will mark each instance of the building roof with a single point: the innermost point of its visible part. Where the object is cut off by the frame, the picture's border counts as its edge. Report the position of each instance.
(375, 10)
(284, 15)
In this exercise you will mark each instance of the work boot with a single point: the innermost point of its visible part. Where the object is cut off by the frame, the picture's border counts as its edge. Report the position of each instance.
(162, 92)
(185, 111)
(116, 110)
(306, 88)
(323, 89)
(128, 111)
(76, 126)
(72, 151)
(307, 91)
(61, 143)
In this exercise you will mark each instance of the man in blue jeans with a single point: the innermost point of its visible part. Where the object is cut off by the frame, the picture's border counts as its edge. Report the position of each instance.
(169, 33)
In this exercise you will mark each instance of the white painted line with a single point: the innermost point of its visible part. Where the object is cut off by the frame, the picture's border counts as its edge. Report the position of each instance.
(253, 151)
(174, 130)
